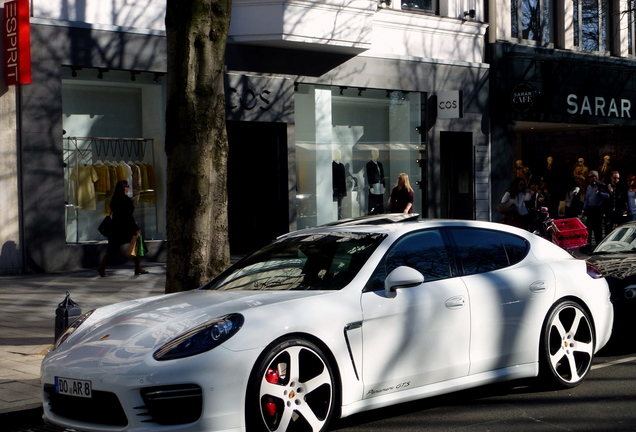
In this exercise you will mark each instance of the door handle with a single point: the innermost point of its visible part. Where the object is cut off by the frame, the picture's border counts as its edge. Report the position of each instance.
(539, 286)
(455, 302)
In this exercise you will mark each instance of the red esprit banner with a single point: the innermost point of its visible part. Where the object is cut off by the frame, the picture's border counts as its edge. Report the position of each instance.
(17, 43)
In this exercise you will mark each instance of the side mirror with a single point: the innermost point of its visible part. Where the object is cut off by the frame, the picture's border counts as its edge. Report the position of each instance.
(402, 277)
(586, 249)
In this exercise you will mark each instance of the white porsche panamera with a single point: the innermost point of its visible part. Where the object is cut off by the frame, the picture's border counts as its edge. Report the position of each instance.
(332, 321)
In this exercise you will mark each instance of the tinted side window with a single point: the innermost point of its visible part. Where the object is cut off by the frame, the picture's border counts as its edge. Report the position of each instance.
(481, 250)
(516, 247)
(424, 251)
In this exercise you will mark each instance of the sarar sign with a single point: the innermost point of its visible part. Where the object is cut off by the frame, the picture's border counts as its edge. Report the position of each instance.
(599, 106)
(17, 43)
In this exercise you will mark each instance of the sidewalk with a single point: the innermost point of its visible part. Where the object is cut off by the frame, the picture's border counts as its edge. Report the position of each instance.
(27, 324)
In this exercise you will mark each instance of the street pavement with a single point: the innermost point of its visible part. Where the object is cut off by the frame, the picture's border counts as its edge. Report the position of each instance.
(27, 324)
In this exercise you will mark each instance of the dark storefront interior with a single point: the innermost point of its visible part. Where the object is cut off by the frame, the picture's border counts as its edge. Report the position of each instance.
(573, 149)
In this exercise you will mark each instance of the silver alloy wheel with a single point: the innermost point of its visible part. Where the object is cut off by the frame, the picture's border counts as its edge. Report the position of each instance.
(296, 388)
(568, 345)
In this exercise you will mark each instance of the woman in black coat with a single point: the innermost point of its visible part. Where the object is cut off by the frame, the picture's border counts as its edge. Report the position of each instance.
(124, 226)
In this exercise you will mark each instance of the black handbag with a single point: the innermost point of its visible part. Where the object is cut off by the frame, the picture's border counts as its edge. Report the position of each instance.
(106, 227)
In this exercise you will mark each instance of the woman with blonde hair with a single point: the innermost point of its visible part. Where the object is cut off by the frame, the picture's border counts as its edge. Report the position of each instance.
(401, 199)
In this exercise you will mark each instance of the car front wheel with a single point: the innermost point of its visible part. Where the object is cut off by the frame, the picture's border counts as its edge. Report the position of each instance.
(567, 346)
(291, 389)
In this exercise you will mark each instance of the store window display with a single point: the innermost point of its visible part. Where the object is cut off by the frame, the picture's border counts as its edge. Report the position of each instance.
(90, 178)
(97, 115)
(364, 138)
(572, 154)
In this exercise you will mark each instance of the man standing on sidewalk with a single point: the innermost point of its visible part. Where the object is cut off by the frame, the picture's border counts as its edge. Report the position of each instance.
(595, 197)
(616, 208)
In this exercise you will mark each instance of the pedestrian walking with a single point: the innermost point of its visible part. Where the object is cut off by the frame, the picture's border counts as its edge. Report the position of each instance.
(124, 227)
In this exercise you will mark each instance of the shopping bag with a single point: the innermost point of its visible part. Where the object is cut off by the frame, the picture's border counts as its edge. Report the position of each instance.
(141, 247)
(106, 227)
(132, 247)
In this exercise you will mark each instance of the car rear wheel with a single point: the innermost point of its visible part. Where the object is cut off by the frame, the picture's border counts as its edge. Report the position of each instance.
(291, 389)
(567, 346)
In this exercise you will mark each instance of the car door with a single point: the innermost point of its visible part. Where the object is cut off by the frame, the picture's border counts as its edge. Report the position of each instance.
(509, 291)
(421, 334)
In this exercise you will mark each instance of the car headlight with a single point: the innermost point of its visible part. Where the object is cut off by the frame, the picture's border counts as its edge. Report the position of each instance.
(201, 338)
(71, 329)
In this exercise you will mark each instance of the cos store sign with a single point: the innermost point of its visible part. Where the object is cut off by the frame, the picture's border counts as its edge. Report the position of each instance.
(248, 99)
(450, 104)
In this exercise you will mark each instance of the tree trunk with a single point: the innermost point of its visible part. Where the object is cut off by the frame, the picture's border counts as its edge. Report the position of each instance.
(196, 142)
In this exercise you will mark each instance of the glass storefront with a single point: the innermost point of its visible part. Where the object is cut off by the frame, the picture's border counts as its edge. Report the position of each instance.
(113, 130)
(351, 145)
(559, 157)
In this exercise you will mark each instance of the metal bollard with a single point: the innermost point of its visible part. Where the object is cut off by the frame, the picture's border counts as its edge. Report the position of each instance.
(67, 311)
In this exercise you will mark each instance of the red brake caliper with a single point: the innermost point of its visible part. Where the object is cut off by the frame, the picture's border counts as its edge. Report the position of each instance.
(271, 376)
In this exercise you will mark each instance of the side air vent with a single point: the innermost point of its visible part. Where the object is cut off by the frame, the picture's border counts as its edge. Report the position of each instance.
(172, 405)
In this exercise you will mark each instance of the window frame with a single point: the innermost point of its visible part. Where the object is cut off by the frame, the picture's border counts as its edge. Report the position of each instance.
(631, 30)
(454, 258)
(547, 36)
(434, 10)
(372, 286)
(604, 27)
(460, 265)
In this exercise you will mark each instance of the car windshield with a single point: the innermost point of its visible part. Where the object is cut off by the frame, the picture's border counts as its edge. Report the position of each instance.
(324, 261)
(622, 239)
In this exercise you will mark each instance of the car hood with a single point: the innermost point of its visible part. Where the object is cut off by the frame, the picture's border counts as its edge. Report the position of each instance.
(119, 334)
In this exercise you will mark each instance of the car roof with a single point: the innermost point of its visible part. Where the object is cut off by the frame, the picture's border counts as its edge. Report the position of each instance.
(401, 223)
(380, 219)
(628, 223)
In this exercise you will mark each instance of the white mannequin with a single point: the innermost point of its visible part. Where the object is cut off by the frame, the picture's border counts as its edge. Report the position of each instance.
(337, 155)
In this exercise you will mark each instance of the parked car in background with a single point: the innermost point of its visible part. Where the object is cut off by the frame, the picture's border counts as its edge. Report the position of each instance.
(615, 257)
(332, 321)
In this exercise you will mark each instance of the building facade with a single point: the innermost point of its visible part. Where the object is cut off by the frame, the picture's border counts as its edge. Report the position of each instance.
(327, 102)
(563, 98)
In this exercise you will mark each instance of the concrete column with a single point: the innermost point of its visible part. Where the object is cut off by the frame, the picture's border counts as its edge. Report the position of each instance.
(10, 254)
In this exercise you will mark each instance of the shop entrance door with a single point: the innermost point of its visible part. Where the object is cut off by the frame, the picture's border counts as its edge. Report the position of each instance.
(457, 194)
(258, 203)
